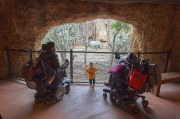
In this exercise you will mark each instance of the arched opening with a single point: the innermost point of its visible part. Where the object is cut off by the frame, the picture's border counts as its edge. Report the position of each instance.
(98, 35)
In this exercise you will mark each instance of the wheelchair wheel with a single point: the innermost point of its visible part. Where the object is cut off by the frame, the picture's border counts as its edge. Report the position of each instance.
(134, 110)
(58, 93)
(144, 102)
(104, 96)
(115, 98)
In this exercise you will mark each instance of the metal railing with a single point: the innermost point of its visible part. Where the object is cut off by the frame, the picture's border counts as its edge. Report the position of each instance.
(78, 63)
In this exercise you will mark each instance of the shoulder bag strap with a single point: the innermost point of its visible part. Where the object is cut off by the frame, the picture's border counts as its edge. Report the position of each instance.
(35, 63)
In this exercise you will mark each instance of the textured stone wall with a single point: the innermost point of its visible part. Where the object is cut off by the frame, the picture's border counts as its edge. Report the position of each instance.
(175, 39)
(25, 23)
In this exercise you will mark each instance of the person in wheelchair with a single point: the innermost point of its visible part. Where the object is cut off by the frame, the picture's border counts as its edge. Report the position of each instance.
(49, 75)
(122, 82)
(124, 69)
(49, 56)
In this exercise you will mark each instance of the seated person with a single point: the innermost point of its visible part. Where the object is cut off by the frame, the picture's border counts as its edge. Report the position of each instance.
(51, 59)
(121, 68)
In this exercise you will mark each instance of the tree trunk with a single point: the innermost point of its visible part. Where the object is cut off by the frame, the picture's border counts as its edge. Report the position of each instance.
(62, 56)
(94, 30)
(108, 32)
(87, 33)
(55, 37)
(85, 63)
(112, 56)
(77, 33)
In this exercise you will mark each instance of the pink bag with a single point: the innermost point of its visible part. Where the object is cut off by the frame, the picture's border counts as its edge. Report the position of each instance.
(118, 70)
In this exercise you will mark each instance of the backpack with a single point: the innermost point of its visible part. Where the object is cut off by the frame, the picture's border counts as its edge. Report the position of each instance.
(44, 71)
(27, 71)
(154, 74)
(137, 79)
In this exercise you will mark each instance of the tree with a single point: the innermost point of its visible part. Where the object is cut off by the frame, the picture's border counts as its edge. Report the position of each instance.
(117, 27)
(64, 37)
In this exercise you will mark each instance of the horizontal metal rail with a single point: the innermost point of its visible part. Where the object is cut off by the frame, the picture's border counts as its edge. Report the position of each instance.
(92, 52)
(73, 81)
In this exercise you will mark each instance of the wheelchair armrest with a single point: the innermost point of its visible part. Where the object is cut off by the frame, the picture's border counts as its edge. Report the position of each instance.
(68, 80)
(116, 75)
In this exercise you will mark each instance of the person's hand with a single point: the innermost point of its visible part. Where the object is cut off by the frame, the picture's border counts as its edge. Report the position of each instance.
(65, 64)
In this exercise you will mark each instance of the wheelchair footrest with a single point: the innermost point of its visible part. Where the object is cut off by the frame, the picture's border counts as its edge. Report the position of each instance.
(68, 80)
(107, 90)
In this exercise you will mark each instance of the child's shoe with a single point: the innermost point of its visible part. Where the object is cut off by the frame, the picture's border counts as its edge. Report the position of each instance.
(93, 86)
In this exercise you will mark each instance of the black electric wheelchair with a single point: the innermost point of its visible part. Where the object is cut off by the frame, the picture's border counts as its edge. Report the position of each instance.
(55, 90)
(121, 91)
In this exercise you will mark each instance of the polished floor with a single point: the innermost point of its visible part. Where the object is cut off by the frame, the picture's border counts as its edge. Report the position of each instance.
(17, 102)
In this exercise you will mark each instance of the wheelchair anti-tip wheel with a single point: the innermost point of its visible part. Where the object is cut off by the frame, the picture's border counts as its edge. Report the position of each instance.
(104, 96)
(145, 102)
(67, 89)
(58, 93)
(134, 110)
(115, 98)
(46, 102)
(37, 100)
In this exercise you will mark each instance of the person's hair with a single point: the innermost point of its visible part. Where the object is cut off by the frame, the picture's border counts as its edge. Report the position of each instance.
(131, 56)
(50, 44)
(90, 62)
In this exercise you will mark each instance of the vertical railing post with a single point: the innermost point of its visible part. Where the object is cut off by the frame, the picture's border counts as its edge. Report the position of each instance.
(6, 56)
(71, 64)
(30, 55)
(139, 55)
(168, 61)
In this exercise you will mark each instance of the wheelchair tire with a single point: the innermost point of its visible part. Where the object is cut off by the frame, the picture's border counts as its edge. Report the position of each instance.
(116, 98)
(58, 93)
(67, 89)
(104, 96)
(145, 103)
(134, 110)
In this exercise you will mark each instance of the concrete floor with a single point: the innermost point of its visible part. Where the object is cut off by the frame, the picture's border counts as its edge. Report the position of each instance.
(17, 102)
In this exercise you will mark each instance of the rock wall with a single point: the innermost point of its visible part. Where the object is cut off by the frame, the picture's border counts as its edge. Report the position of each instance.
(175, 39)
(25, 23)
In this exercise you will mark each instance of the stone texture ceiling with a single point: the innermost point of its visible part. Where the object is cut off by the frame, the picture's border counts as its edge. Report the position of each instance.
(137, 1)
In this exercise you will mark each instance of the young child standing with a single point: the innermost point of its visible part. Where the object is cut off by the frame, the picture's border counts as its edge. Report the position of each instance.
(91, 74)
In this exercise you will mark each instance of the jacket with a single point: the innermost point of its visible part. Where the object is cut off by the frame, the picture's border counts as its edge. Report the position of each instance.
(51, 58)
(118, 70)
(91, 72)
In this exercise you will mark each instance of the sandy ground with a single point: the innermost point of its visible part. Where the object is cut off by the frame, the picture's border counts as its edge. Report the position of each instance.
(102, 61)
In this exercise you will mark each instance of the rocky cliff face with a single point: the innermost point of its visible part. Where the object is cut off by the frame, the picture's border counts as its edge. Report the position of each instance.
(24, 24)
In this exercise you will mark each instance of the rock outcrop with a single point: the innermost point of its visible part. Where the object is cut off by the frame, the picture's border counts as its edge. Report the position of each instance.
(24, 24)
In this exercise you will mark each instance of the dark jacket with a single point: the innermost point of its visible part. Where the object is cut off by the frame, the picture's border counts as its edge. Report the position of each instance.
(51, 58)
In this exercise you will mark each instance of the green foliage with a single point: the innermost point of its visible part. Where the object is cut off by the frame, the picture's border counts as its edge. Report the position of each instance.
(120, 26)
(60, 34)
(122, 40)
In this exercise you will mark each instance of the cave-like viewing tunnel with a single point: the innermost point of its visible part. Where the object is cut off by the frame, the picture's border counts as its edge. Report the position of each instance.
(87, 33)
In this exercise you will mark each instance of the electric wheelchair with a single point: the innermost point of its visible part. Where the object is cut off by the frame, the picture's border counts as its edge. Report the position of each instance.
(120, 90)
(55, 90)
